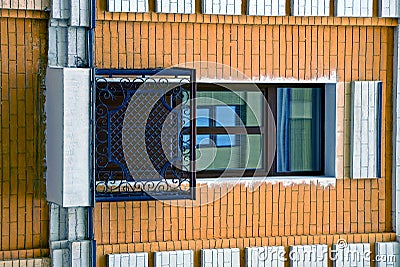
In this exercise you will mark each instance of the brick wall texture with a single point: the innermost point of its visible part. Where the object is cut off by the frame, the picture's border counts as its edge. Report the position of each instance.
(275, 213)
(24, 212)
(25, 4)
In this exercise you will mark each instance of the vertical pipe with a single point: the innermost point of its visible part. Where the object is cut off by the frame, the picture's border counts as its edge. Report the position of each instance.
(92, 25)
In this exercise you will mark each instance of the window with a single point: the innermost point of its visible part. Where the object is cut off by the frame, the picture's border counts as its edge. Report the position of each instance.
(215, 116)
(139, 149)
(268, 130)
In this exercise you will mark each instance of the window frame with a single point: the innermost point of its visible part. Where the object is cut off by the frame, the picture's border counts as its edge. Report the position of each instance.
(269, 91)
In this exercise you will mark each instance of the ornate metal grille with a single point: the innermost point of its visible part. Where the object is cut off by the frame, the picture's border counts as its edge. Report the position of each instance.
(144, 134)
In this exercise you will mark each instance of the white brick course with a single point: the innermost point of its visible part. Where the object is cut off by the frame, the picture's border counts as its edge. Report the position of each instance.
(222, 7)
(175, 6)
(139, 6)
(310, 7)
(139, 259)
(387, 253)
(266, 7)
(353, 8)
(309, 256)
(352, 255)
(365, 129)
(389, 8)
(224, 257)
(176, 258)
(265, 256)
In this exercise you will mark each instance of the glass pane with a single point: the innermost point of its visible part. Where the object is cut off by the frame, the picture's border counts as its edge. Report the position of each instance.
(226, 140)
(245, 154)
(202, 117)
(298, 129)
(203, 140)
(225, 105)
(227, 116)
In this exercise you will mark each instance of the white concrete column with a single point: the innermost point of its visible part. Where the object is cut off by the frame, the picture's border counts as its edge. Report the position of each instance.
(68, 94)
(68, 33)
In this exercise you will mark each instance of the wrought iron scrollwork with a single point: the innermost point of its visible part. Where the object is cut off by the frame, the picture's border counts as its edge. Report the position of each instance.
(144, 134)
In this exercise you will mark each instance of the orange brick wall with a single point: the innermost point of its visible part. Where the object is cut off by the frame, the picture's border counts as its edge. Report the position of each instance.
(23, 58)
(273, 47)
(241, 243)
(353, 48)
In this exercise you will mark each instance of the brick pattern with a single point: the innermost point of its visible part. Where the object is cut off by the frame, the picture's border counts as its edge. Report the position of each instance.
(305, 209)
(25, 4)
(60, 9)
(177, 6)
(348, 49)
(265, 256)
(222, 7)
(24, 254)
(80, 253)
(102, 14)
(24, 215)
(60, 257)
(44, 262)
(176, 258)
(309, 256)
(388, 254)
(80, 13)
(310, 7)
(68, 28)
(76, 12)
(266, 7)
(352, 255)
(241, 243)
(354, 49)
(67, 47)
(127, 6)
(354, 8)
(128, 259)
(224, 257)
(365, 131)
(389, 8)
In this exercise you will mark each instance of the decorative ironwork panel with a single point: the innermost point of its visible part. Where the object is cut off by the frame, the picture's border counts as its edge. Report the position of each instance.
(144, 134)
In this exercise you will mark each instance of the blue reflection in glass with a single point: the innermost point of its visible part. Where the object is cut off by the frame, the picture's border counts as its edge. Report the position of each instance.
(203, 117)
(226, 140)
(225, 116)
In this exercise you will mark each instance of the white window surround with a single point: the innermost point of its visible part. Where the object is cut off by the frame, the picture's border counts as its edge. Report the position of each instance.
(285, 180)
